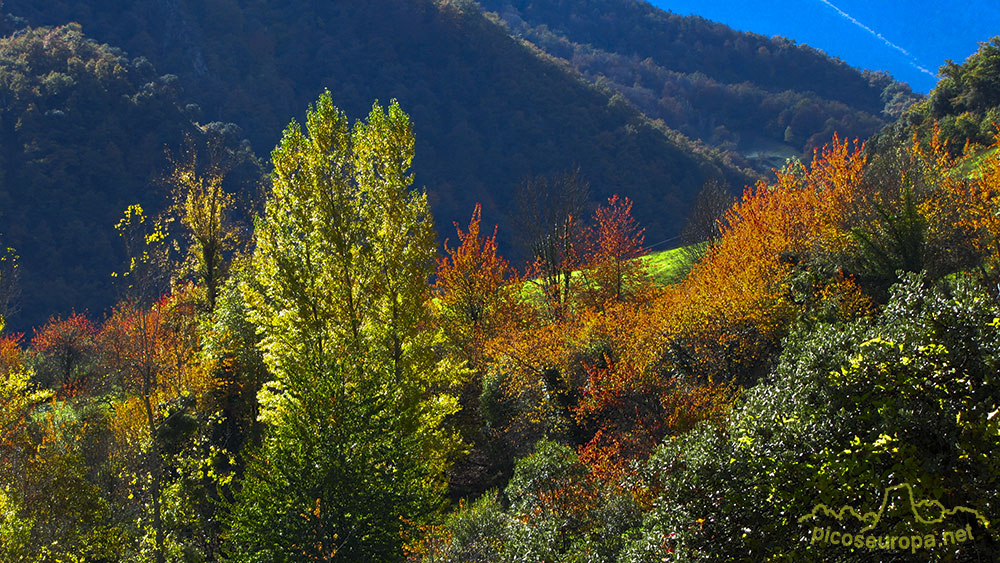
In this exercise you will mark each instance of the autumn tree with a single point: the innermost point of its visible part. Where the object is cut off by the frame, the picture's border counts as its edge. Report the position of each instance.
(49, 510)
(53, 507)
(354, 440)
(610, 265)
(962, 226)
(18, 395)
(528, 356)
(147, 274)
(68, 348)
(737, 302)
(538, 362)
(469, 283)
(152, 353)
(204, 210)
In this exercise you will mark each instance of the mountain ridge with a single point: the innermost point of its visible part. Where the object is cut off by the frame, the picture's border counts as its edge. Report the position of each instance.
(740, 92)
(490, 109)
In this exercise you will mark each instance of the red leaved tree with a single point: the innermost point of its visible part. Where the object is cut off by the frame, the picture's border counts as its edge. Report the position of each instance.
(68, 347)
(470, 284)
(615, 239)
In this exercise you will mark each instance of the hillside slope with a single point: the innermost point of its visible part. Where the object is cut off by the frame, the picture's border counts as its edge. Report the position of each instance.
(491, 108)
(743, 92)
(83, 129)
(489, 111)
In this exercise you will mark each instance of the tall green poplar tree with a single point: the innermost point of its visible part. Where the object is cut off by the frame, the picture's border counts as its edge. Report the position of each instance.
(355, 445)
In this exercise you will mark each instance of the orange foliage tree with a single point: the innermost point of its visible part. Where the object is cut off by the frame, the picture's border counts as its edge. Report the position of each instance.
(962, 218)
(68, 346)
(630, 400)
(734, 307)
(614, 243)
(11, 353)
(470, 284)
(594, 373)
(154, 354)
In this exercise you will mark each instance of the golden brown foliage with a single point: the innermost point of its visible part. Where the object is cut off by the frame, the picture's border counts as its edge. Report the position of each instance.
(610, 268)
(732, 310)
(470, 284)
(962, 212)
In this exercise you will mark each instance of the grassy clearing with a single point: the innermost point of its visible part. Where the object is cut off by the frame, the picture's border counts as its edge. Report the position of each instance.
(670, 266)
(970, 168)
(665, 267)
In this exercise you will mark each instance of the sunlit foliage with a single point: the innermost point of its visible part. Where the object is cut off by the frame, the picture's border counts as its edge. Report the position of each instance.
(356, 439)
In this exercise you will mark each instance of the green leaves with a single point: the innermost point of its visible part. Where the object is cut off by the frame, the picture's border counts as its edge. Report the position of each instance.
(356, 440)
(852, 409)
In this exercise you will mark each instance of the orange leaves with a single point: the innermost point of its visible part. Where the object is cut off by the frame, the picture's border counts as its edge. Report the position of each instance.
(60, 334)
(11, 353)
(572, 501)
(735, 304)
(425, 542)
(962, 213)
(621, 403)
(614, 241)
(469, 282)
(846, 298)
(604, 455)
(686, 403)
(156, 350)
(635, 409)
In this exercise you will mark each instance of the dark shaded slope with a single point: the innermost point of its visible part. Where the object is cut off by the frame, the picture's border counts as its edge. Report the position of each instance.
(488, 110)
(83, 133)
(763, 98)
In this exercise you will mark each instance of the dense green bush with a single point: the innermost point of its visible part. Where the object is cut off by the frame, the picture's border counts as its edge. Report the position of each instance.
(555, 511)
(852, 410)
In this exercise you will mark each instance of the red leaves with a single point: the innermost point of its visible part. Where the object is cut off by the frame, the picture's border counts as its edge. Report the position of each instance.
(614, 241)
(68, 343)
(156, 350)
(469, 282)
(11, 353)
(634, 410)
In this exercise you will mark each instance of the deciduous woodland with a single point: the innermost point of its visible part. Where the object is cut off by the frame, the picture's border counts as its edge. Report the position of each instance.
(331, 384)
(645, 104)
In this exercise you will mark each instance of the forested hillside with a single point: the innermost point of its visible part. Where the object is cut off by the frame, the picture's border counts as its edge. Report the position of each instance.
(618, 90)
(816, 380)
(329, 391)
(490, 111)
(763, 98)
(84, 134)
(962, 109)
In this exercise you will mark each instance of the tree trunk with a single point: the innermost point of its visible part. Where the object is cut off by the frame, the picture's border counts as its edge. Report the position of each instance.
(155, 485)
